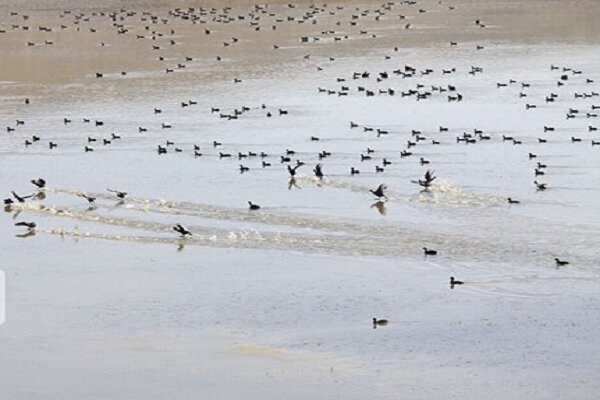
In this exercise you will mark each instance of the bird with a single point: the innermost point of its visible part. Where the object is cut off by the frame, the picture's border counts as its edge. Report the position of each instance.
(379, 192)
(253, 206)
(182, 230)
(541, 186)
(28, 225)
(20, 199)
(455, 282)
(318, 170)
(120, 195)
(428, 178)
(429, 252)
(292, 170)
(90, 199)
(512, 201)
(560, 263)
(40, 183)
(379, 322)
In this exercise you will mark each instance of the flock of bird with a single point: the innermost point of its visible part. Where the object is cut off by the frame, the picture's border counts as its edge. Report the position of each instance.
(162, 33)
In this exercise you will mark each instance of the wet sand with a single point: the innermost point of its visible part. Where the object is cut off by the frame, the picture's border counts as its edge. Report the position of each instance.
(108, 302)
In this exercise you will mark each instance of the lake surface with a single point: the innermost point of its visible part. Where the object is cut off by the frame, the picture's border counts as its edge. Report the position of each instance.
(107, 301)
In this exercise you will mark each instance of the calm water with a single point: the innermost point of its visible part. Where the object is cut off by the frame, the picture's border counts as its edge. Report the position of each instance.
(297, 282)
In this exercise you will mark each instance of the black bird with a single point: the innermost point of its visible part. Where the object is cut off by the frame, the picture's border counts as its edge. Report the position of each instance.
(379, 322)
(292, 170)
(318, 170)
(429, 252)
(560, 263)
(28, 225)
(253, 206)
(120, 195)
(8, 202)
(90, 199)
(20, 199)
(379, 192)
(182, 230)
(40, 183)
(511, 201)
(541, 186)
(428, 178)
(455, 282)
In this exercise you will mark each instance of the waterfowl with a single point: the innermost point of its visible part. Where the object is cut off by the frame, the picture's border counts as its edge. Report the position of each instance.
(120, 195)
(40, 183)
(379, 192)
(292, 170)
(560, 263)
(455, 282)
(318, 170)
(90, 199)
(540, 186)
(182, 230)
(20, 199)
(429, 252)
(28, 225)
(511, 201)
(379, 322)
(253, 206)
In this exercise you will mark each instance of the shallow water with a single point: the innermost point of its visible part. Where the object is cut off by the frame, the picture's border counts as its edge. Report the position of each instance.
(285, 295)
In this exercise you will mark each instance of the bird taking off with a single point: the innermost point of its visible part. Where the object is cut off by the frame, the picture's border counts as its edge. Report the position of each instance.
(380, 191)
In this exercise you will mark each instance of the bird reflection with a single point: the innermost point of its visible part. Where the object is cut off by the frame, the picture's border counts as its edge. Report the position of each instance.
(41, 195)
(380, 206)
(292, 184)
(29, 233)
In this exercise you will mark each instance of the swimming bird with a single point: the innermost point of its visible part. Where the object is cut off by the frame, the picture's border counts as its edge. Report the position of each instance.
(541, 186)
(253, 206)
(560, 263)
(455, 282)
(182, 230)
(379, 192)
(429, 252)
(511, 201)
(379, 322)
